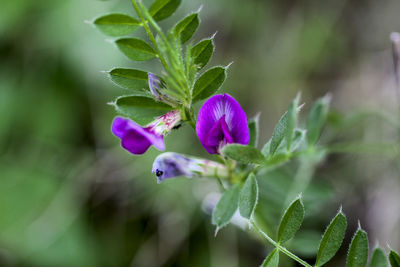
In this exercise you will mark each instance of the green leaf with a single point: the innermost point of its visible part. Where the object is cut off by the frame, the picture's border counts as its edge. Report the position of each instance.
(248, 197)
(162, 9)
(253, 130)
(272, 260)
(202, 52)
(142, 109)
(129, 78)
(226, 207)
(378, 258)
(291, 221)
(332, 239)
(244, 154)
(208, 83)
(394, 259)
(136, 49)
(358, 251)
(116, 24)
(285, 128)
(316, 119)
(187, 27)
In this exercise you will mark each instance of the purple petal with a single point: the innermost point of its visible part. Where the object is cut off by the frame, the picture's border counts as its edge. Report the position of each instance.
(219, 132)
(119, 126)
(221, 120)
(135, 142)
(135, 138)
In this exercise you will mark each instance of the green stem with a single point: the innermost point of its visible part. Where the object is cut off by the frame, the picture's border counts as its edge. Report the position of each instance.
(149, 33)
(278, 246)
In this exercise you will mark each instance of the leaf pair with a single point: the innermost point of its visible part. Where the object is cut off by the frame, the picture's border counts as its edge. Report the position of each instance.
(245, 198)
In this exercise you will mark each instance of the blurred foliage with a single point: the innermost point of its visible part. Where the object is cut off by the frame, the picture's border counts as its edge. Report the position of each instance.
(69, 196)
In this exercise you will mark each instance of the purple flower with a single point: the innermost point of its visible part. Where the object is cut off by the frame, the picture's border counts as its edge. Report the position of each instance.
(170, 165)
(221, 121)
(137, 139)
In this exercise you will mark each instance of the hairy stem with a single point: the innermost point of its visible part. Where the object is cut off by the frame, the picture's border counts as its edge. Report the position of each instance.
(149, 33)
(278, 246)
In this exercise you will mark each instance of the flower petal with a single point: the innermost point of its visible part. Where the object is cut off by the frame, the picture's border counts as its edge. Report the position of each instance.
(217, 134)
(232, 129)
(236, 120)
(135, 142)
(135, 138)
(119, 126)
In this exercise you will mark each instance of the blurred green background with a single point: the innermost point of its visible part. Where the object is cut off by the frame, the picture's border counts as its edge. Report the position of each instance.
(70, 196)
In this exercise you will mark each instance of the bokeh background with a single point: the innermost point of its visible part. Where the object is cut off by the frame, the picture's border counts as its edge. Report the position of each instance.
(70, 196)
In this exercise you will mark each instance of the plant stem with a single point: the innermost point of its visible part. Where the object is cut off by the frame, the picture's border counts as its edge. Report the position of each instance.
(278, 246)
(149, 33)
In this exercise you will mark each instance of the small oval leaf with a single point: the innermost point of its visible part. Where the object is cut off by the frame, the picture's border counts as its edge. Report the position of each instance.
(394, 259)
(129, 78)
(136, 49)
(140, 108)
(332, 239)
(202, 52)
(187, 27)
(162, 9)
(208, 83)
(358, 251)
(291, 221)
(272, 260)
(116, 24)
(378, 258)
(244, 154)
(226, 207)
(248, 197)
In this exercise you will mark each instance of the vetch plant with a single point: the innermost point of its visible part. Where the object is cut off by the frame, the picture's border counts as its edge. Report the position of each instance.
(158, 103)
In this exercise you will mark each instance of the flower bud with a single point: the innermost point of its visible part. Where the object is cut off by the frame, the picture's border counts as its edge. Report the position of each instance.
(170, 165)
